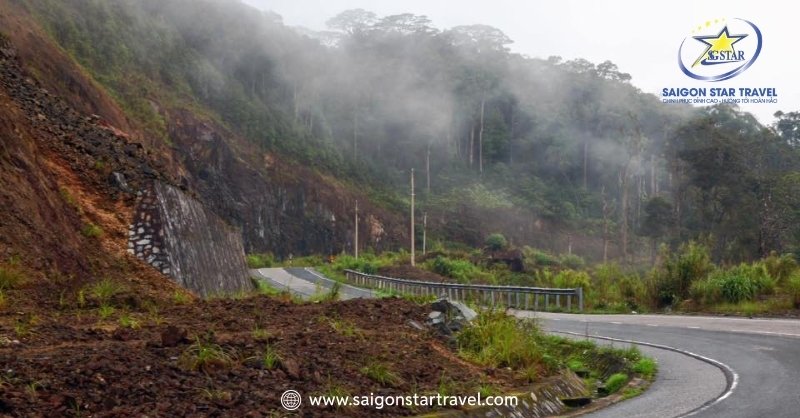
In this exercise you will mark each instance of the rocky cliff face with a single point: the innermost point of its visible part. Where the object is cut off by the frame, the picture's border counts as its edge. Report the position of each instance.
(280, 206)
(177, 235)
(69, 185)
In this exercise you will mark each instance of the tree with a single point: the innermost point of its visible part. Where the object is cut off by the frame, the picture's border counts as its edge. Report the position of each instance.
(788, 127)
(657, 222)
(496, 242)
(353, 21)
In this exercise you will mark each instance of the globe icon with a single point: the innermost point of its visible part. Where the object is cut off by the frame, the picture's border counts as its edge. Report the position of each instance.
(291, 400)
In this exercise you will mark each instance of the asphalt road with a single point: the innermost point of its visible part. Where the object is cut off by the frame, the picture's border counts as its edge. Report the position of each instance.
(763, 355)
(708, 366)
(306, 282)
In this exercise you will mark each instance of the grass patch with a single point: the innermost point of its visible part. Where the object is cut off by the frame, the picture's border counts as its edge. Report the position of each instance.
(204, 356)
(271, 358)
(260, 334)
(91, 230)
(615, 382)
(647, 367)
(631, 393)
(497, 340)
(128, 321)
(24, 327)
(380, 373)
(105, 311)
(258, 261)
(181, 298)
(10, 277)
(104, 290)
(346, 328)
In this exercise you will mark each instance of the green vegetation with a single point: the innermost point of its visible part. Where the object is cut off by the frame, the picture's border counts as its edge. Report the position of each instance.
(260, 334)
(10, 277)
(205, 356)
(346, 328)
(647, 367)
(271, 358)
(615, 382)
(91, 230)
(496, 242)
(326, 295)
(105, 311)
(257, 261)
(181, 297)
(103, 291)
(380, 373)
(497, 340)
(127, 320)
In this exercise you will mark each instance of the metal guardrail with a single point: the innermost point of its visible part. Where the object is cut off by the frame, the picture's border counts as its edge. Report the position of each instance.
(517, 297)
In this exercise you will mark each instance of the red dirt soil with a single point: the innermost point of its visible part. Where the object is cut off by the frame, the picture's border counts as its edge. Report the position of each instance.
(73, 363)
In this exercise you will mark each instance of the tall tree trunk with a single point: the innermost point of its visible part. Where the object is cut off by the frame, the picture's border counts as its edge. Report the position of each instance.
(480, 136)
(296, 106)
(428, 169)
(653, 191)
(511, 139)
(586, 164)
(471, 144)
(355, 134)
(624, 212)
(606, 216)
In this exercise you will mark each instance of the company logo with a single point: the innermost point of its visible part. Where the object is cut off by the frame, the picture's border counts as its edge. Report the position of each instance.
(291, 400)
(720, 49)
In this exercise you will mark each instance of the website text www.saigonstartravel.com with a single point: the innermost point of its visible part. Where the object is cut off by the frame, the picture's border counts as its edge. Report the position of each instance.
(292, 400)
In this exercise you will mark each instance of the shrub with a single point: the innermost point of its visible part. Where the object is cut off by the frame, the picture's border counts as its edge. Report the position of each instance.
(366, 264)
(263, 260)
(672, 281)
(535, 259)
(461, 270)
(572, 261)
(793, 288)
(780, 267)
(740, 283)
(573, 279)
(496, 242)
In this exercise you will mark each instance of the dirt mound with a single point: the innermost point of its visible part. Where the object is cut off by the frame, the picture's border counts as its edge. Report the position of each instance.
(73, 362)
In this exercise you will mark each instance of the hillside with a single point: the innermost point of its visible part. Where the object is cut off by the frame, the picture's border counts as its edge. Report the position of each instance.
(560, 155)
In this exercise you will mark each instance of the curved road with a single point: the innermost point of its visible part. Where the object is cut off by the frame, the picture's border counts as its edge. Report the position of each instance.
(761, 356)
(764, 354)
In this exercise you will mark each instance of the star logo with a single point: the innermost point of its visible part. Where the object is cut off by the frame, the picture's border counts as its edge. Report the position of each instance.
(719, 48)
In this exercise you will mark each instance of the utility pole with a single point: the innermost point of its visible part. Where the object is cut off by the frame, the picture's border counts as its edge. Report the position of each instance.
(424, 233)
(355, 240)
(413, 262)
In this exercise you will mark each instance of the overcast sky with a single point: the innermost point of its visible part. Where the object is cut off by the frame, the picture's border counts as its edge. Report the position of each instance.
(641, 37)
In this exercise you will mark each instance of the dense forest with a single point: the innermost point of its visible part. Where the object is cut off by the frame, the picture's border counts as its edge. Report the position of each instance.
(568, 143)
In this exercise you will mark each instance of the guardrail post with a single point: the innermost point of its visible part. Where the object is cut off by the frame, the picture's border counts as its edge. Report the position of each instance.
(558, 301)
(580, 299)
(546, 300)
(569, 303)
